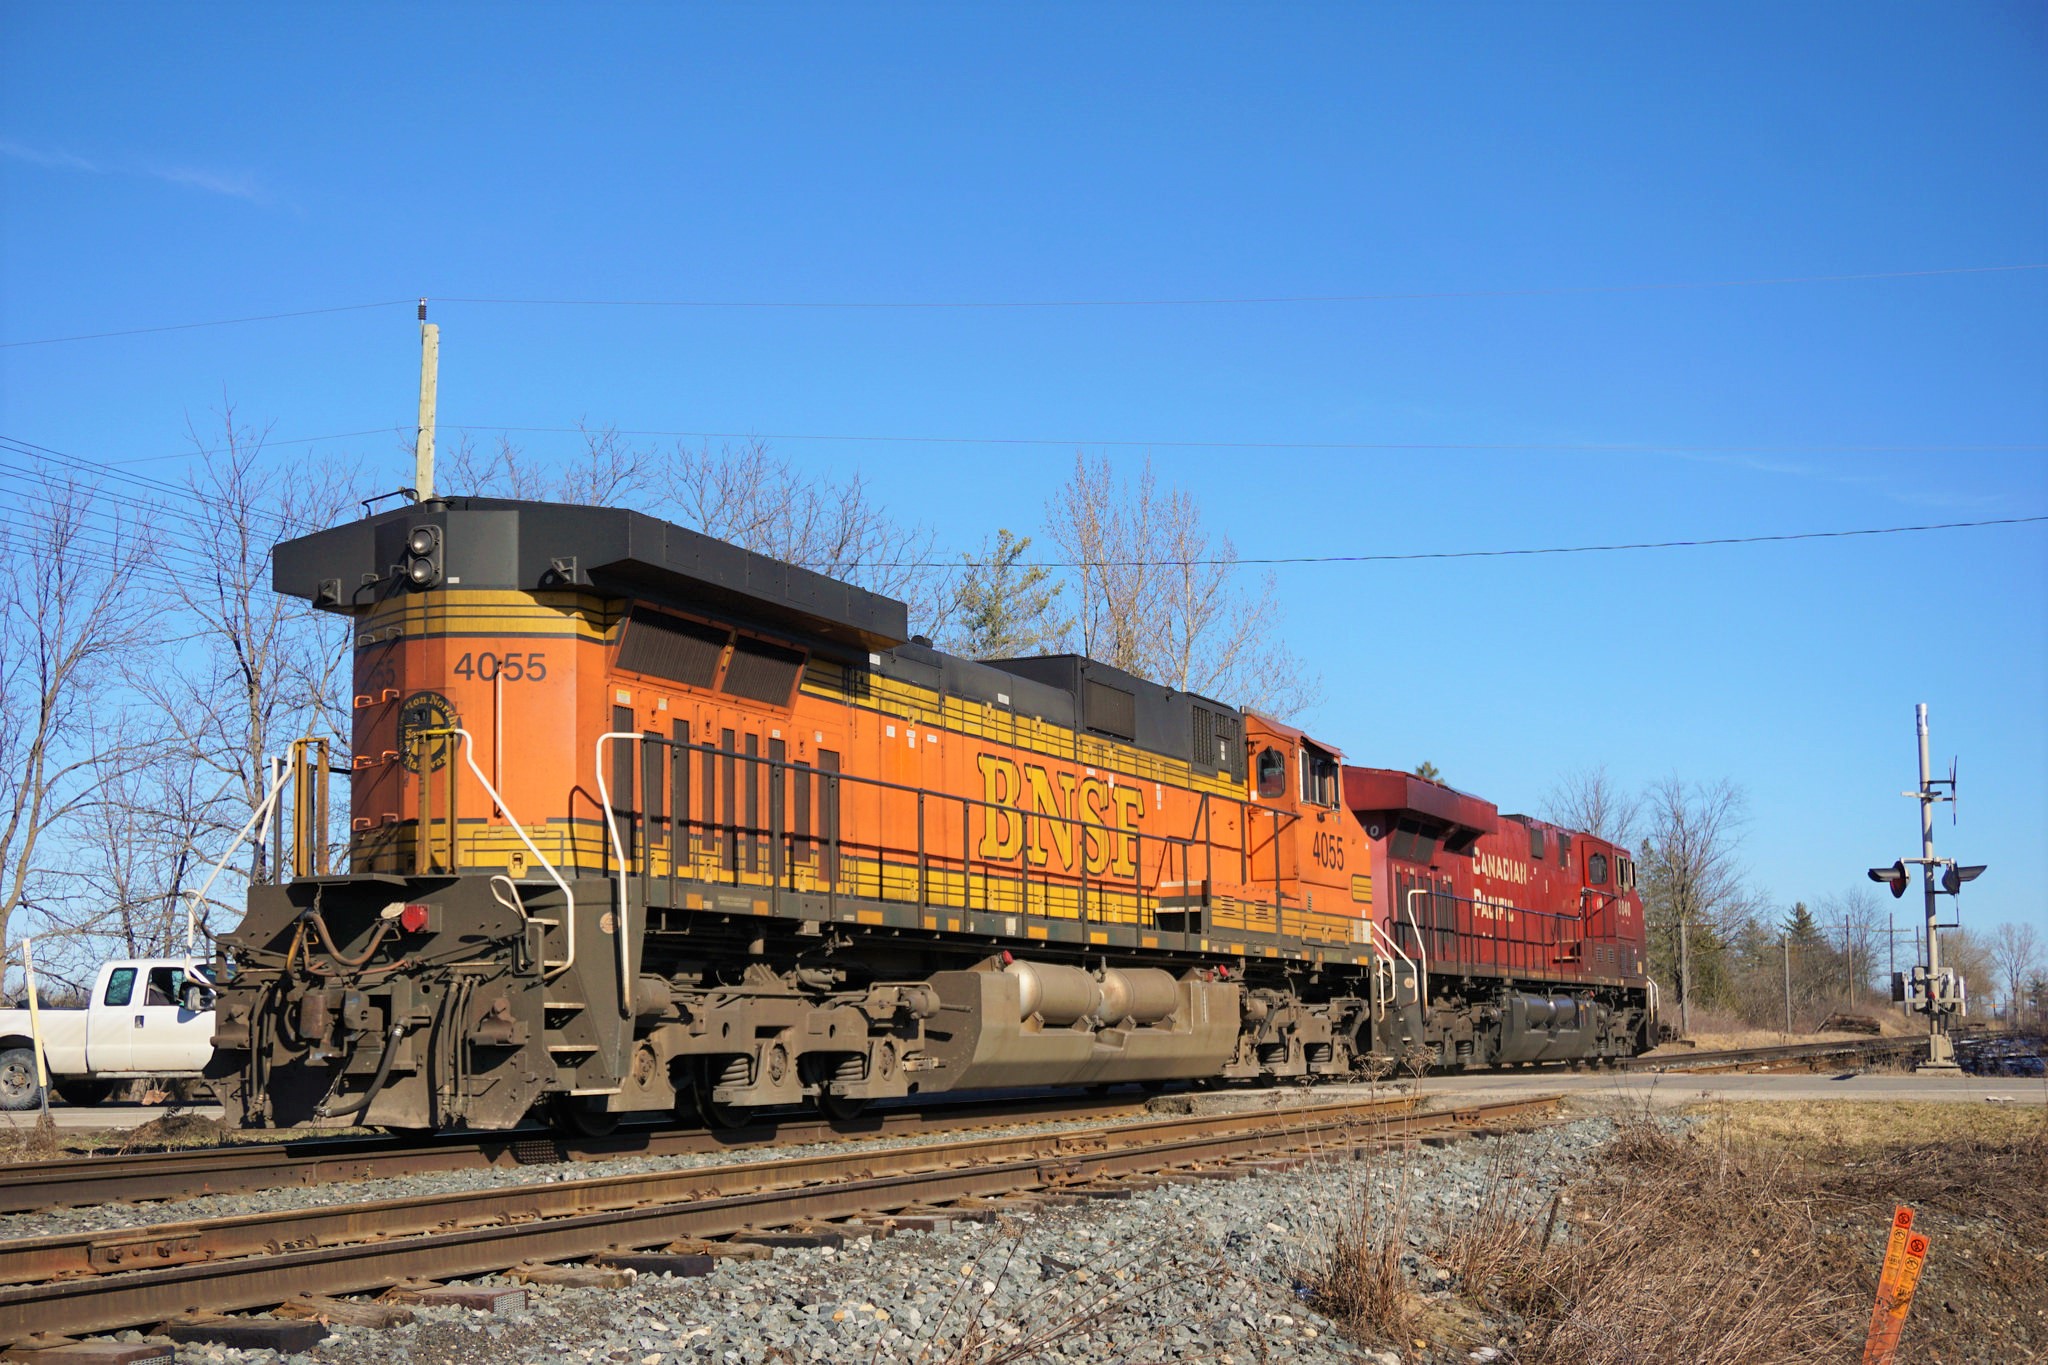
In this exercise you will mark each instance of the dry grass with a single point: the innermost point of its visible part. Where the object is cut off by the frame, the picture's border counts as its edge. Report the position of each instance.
(1359, 1282)
(1757, 1237)
(1847, 1129)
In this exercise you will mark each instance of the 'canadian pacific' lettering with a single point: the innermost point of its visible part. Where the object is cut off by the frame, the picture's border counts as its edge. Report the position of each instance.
(1037, 812)
(1500, 869)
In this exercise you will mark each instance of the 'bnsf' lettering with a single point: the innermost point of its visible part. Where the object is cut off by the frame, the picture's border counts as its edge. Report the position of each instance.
(1045, 813)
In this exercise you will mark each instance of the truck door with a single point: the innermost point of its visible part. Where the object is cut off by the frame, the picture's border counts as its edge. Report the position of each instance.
(112, 1021)
(168, 1036)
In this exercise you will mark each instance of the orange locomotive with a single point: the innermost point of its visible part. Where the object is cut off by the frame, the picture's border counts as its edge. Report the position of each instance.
(641, 821)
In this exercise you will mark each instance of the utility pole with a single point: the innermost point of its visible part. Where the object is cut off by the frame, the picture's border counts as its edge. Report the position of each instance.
(423, 447)
(1787, 940)
(1684, 975)
(1848, 960)
(1935, 992)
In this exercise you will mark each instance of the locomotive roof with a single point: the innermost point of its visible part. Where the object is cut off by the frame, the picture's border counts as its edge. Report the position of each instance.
(499, 543)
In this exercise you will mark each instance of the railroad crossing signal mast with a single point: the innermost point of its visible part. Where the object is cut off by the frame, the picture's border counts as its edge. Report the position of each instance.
(1935, 992)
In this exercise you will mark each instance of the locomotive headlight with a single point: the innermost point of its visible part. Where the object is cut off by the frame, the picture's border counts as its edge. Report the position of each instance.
(423, 557)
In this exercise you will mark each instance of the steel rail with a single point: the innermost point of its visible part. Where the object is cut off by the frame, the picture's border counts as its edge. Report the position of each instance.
(230, 1264)
(240, 1168)
(1727, 1059)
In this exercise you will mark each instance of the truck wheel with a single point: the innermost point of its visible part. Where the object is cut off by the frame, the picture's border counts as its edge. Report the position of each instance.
(18, 1088)
(83, 1094)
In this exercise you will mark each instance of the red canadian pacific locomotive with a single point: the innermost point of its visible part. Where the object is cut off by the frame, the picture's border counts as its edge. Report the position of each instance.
(644, 822)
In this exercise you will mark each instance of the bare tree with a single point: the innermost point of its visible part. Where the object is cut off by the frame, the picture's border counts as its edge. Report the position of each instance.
(752, 498)
(1159, 595)
(1003, 609)
(609, 471)
(263, 670)
(2016, 952)
(1854, 920)
(73, 568)
(1591, 801)
(1693, 894)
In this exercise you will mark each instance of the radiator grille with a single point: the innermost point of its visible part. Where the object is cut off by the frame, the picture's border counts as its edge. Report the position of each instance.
(760, 671)
(669, 647)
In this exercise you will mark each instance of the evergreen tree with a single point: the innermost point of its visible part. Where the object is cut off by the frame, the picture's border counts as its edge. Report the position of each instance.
(1427, 771)
(1005, 609)
(1800, 925)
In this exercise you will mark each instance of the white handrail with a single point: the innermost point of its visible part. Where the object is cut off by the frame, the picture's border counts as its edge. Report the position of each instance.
(611, 824)
(568, 896)
(1374, 931)
(193, 899)
(1421, 949)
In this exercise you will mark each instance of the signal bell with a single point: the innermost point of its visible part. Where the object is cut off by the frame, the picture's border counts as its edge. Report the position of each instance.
(1953, 877)
(423, 561)
(1895, 876)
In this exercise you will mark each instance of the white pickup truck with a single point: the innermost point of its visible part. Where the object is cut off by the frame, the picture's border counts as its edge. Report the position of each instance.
(146, 1017)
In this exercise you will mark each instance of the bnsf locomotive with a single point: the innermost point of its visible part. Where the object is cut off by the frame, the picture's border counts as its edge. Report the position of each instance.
(642, 822)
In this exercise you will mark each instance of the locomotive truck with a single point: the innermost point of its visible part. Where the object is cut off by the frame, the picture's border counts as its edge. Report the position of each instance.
(641, 822)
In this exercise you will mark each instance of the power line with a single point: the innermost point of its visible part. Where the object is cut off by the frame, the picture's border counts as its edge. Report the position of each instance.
(216, 322)
(1390, 296)
(1477, 447)
(1473, 554)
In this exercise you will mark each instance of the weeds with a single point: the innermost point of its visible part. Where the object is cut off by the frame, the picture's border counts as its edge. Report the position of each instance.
(1359, 1282)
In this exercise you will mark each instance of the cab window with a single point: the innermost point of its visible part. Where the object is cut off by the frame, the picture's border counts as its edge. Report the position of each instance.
(1535, 843)
(1272, 773)
(1596, 869)
(1319, 778)
(164, 986)
(120, 986)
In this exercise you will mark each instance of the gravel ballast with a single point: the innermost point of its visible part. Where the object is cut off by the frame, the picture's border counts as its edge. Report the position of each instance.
(1206, 1270)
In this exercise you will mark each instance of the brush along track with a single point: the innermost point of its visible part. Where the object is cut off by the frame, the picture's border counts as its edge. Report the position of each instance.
(73, 1285)
(241, 1168)
(1807, 1056)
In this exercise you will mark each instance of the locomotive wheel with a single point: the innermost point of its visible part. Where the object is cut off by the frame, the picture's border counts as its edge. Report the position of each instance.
(581, 1120)
(840, 1107)
(717, 1113)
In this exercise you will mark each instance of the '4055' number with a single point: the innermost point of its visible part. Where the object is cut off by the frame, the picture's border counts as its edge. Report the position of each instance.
(511, 667)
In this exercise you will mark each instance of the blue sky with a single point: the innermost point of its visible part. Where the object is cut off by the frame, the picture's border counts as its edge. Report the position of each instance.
(1527, 183)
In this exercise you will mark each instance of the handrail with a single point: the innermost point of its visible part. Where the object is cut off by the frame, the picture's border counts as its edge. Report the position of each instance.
(193, 899)
(1421, 948)
(611, 824)
(568, 896)
(1081, 825)
(1373, 929)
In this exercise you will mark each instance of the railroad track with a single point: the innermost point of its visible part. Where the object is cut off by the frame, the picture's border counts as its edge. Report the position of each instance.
(30, 1186)
(77, 1284)
(240, 1168)
(1809, 1055)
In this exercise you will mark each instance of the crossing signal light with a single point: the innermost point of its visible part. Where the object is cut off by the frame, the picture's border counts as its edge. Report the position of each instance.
(1953, 877)
(1894, 876)
(423, 566)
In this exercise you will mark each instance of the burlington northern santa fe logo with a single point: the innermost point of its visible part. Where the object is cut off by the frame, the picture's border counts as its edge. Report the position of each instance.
(1042, 813)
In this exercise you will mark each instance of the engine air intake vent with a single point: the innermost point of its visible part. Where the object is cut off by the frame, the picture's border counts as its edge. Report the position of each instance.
(1218, 742)
(670, 647)
(760, 671)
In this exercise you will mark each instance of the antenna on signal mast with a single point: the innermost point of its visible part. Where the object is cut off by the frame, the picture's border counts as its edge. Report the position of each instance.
(423, 447)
